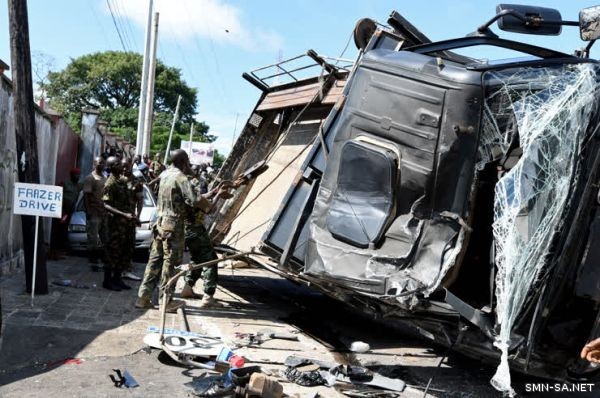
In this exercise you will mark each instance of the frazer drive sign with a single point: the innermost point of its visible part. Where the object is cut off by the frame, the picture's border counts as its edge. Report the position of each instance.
(38, 200)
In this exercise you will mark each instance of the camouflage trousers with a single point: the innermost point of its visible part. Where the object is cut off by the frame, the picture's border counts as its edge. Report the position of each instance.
(201, 250)
(166, 253)
(118, 248)
(130, 237)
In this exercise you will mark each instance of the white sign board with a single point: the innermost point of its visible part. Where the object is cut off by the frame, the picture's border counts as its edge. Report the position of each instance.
(203, 346)
(202, 152)
(38, 200)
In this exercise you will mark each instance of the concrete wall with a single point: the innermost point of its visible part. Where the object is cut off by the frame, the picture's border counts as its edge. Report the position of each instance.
(54, 137)
(68, 148)
(91, 141)
(11, 240)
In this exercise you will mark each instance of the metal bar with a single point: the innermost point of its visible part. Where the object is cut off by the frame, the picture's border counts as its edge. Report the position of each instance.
(175, 117)
(165, 288)
(256, 82)
(291, 71)
(278, 63)
(184, 322)
(281, 67)
(35, 249)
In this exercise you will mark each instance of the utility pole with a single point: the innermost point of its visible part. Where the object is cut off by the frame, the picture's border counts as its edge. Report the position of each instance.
(150, 97)
(27, 160)
(237, 114)
(191, 138)
(144, 88)
(175, 116)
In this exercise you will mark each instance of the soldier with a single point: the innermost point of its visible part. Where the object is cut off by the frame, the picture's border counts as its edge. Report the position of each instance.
(199, 244)
(135, 190)
(175, 197)
(95, 213)
(156, 167)
(120, 218)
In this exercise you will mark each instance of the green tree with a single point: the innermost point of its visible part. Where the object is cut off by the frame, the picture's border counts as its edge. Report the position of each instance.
(218, 159)
(110, 82)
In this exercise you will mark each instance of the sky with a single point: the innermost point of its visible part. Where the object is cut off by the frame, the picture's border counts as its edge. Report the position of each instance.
(214, 41)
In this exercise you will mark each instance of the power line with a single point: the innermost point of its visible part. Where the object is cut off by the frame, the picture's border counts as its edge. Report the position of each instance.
(128, 30)
(100, 25)
(116, 26)
(202, 58)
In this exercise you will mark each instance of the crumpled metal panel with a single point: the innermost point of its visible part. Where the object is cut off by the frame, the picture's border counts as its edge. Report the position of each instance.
(551, 108)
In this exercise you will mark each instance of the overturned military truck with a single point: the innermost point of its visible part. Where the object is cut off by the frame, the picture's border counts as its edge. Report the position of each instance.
(456, 194)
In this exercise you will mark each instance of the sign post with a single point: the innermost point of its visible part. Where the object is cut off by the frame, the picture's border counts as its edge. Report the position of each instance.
(39, 201)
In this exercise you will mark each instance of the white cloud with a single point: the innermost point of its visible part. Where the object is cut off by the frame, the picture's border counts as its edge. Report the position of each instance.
(213, 19)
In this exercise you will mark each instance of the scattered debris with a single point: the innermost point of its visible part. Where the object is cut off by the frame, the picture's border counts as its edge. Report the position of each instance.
(123, 379)
(69, 283)
(264, 386)
(309, 372)
(359, 346)
(248, 339)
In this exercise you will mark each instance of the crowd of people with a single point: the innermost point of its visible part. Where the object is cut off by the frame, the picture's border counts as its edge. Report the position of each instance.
(113, 195)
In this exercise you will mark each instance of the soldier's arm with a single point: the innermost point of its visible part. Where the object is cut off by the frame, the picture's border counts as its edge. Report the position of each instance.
(192, 198)
(108, 199)
(87, 191)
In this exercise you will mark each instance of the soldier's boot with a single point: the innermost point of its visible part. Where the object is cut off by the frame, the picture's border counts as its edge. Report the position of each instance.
(108, 281)
(188, 292)
(144, 303)
(118, 281)
(93, 260)
(207, 301)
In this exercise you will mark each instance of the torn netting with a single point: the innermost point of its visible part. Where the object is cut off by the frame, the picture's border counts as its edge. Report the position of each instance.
(546, 112)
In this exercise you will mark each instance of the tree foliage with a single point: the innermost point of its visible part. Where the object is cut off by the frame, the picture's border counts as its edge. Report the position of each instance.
(110, 82)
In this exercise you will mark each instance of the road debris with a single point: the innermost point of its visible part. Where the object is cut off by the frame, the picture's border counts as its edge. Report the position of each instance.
(123, 379)
(360, 346)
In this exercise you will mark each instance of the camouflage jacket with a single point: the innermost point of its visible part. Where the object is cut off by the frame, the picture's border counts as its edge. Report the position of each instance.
(176, 198)
(135, 191)
(195, 216)
(116, 194)
(157, 167)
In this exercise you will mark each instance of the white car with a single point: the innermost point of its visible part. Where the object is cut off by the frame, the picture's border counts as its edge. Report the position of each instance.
(143, 235)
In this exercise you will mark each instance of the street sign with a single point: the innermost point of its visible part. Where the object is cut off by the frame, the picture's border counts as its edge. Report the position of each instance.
(199, 152)
(203, 346)
(38, 200)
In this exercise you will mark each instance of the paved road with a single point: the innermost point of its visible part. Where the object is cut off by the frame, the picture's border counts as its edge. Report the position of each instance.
(104, 330)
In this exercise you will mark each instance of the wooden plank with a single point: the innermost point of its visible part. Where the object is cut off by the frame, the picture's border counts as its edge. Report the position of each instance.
(289, 97)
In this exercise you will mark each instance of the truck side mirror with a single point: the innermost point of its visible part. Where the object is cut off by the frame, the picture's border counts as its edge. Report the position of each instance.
(531, 20)
(589, 23)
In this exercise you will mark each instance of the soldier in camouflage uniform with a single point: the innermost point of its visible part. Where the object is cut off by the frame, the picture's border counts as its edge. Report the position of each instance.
(120, 218)
(175, 198)
(201, 250)
(156, 167)
(135, 192)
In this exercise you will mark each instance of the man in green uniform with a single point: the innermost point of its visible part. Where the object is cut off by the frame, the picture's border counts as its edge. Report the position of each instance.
(120, 218)
(135, 191)
(175, 197)
(156, 167)
(200, 246)
(95, 212)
